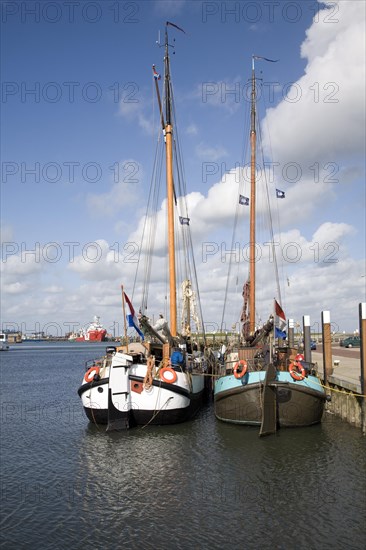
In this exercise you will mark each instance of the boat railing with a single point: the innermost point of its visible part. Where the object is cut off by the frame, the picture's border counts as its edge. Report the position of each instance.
(253, 365)
(193, 364)
(285, 364)
(104, 361)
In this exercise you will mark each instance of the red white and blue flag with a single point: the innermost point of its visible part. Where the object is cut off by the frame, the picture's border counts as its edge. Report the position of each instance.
(156, 75)
(131, 318)
(280, 321)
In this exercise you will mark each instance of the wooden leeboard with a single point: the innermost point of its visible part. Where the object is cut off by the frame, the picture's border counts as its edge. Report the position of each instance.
(269, 404)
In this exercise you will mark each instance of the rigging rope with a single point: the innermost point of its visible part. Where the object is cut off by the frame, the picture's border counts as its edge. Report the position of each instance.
(270, 215)
(230, 262)
(241, 190)
(150, 225)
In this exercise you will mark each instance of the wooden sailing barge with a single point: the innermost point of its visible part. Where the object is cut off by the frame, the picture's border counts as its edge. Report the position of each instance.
(262, 384)
(160, 380)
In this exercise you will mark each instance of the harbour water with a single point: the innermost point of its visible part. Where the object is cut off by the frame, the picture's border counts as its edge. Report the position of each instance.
(201, 485)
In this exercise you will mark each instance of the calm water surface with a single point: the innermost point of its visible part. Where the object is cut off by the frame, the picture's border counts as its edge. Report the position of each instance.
(202, 484)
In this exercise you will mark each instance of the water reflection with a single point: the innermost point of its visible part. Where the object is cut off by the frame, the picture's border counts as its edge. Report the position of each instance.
(201, 484)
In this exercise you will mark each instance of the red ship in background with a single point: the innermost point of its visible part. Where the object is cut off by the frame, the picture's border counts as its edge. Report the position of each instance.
(94, 333)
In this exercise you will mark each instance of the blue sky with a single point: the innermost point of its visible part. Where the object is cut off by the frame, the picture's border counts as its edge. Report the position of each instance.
(78, 136)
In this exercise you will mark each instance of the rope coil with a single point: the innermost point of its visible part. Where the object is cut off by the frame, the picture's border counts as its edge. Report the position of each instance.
(148, 380)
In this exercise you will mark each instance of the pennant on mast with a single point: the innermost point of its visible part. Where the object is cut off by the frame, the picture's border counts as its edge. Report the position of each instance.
(280, 194)
(175, 26)
(265, 58)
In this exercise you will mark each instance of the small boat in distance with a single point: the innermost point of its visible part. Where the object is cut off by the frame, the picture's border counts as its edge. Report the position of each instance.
(94, 333)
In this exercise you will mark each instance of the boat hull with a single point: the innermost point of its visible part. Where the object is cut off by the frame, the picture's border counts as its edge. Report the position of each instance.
(161, 403)
(143, 417)
(298, 403)
(298, 406)
(92, 336)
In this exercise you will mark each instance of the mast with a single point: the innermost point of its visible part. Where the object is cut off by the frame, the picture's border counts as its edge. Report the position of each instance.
(170, 191)
(252, 249)
(124, 316)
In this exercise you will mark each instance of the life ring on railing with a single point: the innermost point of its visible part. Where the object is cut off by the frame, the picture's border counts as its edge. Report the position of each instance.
(297, 371)
(89, 375)
(243, 366)
(172, 375)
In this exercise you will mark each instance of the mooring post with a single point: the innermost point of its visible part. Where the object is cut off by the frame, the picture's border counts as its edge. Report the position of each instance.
(327, 346)
(291, 333)
(362, 321)
(306, 330)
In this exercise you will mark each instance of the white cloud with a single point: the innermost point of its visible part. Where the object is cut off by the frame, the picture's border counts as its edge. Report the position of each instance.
(339, 288)
(321, 278)
(54, 289)
(6, 233)
(16, 288)
(133, 111)
(212, 213)
(98, 262)
(209, 153)
(22, 265)
(192, 130)
(327, 121)
(127, 176)
(332, 232)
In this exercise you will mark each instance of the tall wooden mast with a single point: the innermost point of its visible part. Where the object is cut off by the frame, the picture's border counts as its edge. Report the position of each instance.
(252, 249)
(170, 192)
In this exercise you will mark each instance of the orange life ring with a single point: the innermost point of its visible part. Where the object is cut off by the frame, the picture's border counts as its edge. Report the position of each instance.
(294, 369)
(89, 375)
(242, 364)
(171, 379)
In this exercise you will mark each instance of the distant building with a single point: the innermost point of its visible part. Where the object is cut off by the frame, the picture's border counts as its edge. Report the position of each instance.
(14, 337)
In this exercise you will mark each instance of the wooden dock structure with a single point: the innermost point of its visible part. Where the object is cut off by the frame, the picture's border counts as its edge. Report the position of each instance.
(342, 371)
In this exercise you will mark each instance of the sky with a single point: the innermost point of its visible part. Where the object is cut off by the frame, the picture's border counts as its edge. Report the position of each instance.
(79, 129)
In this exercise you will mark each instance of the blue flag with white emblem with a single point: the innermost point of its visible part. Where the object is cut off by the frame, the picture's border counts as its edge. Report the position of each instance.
(243, 200)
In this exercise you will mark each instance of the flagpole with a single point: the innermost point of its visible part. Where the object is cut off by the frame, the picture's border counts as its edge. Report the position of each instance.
(124, 315)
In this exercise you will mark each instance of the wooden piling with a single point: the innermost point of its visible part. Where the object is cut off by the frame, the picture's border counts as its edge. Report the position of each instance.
(291, 333)
(327, 346)
(306, 331)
